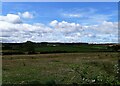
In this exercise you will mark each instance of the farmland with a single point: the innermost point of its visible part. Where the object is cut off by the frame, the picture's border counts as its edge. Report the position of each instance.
(60, 63)
(45, 48)
(61, 68)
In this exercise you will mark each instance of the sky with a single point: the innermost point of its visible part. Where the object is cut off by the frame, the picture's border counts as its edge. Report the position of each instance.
(60, 0)
(91, 22)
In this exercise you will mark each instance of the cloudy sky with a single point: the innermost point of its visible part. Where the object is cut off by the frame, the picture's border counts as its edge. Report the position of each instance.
(92, 22)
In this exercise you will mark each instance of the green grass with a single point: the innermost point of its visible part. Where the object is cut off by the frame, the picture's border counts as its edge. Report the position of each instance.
(69, 68)
(69, 48)
(59, 49)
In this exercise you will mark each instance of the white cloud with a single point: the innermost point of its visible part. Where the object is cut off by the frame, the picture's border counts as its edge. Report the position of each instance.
(14, 31)
(53, 23)
(11, 18)
(104, 32)
(78, 13)
(106, 27)
(88, 16)
(66, 27)
(26, 15)
(69, 15)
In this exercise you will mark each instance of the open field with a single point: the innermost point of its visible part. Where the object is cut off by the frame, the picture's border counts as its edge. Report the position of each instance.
(64, 68)
(47, 48)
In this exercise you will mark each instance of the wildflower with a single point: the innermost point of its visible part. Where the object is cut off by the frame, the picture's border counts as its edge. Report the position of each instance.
(93, 80)
(83, 79)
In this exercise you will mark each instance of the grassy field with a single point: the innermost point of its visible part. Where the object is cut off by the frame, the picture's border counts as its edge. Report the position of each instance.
(47, 49)
(69, 48)
(64, 68)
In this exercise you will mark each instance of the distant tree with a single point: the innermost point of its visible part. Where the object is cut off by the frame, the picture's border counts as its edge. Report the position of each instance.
(29, 47)
(114, 47)
(6, 47)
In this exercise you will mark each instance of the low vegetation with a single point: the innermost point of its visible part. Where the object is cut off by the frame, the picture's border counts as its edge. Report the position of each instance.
(65, 68)
(60, 63)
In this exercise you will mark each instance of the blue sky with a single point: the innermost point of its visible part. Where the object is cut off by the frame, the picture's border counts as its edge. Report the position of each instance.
(46, 12)
(93, 22)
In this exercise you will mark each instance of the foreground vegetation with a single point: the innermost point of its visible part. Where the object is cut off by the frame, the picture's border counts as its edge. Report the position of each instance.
(64, 68)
